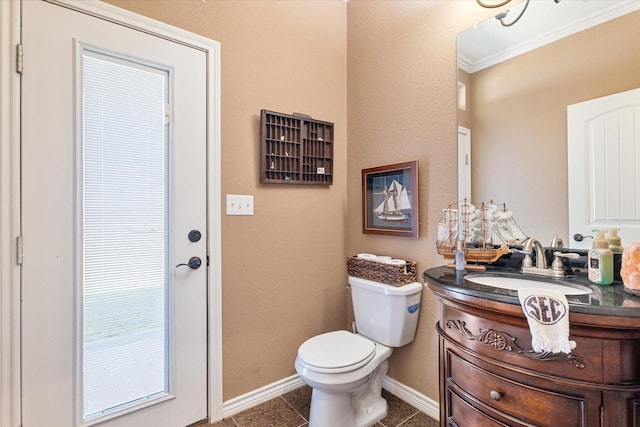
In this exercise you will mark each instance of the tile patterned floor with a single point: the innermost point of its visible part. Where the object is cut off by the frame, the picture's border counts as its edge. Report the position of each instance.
(292, 410)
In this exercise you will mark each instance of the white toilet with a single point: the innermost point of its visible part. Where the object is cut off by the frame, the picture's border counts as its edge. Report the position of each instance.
(346, 369)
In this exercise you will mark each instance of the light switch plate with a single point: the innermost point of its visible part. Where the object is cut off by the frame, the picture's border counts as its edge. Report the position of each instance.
(239, 204)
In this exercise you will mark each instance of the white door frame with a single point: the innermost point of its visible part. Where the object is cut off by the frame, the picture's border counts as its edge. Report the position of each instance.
(9, 216)
(10, 196)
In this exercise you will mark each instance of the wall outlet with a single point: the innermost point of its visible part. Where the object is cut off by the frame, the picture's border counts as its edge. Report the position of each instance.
(239, 204)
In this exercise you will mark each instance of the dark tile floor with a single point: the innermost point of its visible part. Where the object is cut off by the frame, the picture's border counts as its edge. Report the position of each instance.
(292, 410)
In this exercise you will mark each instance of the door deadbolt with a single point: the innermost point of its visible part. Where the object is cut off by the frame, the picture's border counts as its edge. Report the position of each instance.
(195, 236)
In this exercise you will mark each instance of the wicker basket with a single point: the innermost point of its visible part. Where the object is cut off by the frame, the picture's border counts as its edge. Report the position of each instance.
(396, 275)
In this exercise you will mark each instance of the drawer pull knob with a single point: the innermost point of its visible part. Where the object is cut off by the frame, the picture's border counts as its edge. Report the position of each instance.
(495, 395)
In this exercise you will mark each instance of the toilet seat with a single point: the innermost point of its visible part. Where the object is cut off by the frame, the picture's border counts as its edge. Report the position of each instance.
(336, 352)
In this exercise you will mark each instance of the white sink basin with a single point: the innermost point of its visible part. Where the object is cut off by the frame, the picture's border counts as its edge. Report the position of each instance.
(516, 283)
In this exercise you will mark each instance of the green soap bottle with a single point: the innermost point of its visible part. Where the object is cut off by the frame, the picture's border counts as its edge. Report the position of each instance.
(600, 260)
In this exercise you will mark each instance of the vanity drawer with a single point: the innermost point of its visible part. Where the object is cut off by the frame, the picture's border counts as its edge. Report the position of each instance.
(514, 399)
(461, 413)
(508, 341)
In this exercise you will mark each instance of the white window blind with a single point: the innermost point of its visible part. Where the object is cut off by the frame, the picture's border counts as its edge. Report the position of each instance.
(124, 234)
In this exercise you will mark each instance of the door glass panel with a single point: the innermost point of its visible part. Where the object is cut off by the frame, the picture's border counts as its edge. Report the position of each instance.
(124, 248)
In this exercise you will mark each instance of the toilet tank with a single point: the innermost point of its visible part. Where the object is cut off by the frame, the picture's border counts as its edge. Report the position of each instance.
(384, 313)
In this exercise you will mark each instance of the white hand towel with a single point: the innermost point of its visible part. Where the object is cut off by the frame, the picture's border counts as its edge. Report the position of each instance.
(547, 312)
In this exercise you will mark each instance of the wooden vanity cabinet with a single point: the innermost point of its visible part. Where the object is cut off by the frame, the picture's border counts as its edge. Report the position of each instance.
(479, 392)
(490, 376)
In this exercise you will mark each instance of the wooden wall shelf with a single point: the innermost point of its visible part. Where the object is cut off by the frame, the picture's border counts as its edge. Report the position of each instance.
(296, 150)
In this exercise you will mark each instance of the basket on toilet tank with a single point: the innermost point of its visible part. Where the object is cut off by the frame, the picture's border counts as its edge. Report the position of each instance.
(386, 314)
(382, 270)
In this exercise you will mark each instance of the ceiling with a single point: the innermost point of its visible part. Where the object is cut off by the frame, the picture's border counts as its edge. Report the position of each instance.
(543, 22)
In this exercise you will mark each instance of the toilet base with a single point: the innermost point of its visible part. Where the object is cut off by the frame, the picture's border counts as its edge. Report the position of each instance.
(328, 409)
(336, 410)
(372, 414)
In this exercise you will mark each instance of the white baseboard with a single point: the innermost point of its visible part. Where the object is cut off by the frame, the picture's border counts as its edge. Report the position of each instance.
(412, 397)
(278, 388)
(261, 395)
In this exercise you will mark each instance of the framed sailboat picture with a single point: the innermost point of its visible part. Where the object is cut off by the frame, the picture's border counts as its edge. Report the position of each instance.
(390, 200)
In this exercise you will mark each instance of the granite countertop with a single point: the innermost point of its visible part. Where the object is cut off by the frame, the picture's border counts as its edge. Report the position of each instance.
(610, 300)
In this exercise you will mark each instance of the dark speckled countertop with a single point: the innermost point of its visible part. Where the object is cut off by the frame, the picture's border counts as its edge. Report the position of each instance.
(610, 300)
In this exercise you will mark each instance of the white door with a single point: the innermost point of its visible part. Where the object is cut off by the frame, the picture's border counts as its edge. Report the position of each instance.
(113, 182)
(604, 166)
(464, 163)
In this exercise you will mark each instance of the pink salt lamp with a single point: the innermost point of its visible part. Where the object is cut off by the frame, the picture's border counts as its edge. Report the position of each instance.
(630, 269)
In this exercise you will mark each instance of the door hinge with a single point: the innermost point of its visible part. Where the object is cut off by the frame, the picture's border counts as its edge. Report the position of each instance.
(19, 250)
(19, 57)
(601, 415)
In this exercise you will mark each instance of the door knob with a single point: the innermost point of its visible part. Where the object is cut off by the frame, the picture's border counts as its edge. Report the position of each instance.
(194, 263)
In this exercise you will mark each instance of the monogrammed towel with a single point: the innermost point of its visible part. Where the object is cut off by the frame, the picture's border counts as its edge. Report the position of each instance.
(547, 312)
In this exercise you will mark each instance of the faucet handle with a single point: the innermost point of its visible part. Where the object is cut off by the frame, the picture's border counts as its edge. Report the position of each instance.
(572, 255)
(557, 262)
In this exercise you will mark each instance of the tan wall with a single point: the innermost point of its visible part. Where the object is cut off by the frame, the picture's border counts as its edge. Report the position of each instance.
(402, 106)
(283, 269)
(519, 118)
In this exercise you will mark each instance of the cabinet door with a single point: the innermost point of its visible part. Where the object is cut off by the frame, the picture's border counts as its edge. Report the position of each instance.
(621, 408)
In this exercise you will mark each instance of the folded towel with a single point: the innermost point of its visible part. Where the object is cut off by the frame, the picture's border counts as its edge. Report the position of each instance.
(547, 312)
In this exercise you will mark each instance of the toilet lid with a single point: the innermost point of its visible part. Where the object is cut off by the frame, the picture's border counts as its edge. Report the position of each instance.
(338, 351)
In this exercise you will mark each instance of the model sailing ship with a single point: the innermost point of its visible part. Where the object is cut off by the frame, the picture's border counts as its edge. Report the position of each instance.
(395, 204)
(484, 232)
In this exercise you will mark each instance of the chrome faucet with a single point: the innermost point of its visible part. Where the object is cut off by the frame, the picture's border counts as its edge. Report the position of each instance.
(557, 267)
(527, 262)
(541, 260)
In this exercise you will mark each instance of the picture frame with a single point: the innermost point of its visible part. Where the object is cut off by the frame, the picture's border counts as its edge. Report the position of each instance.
(390, 200)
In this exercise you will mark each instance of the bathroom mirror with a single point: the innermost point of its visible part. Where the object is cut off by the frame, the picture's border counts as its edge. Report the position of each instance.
(517, 83)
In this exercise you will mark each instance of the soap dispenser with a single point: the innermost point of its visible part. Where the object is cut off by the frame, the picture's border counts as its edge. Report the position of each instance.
(615, 243)
(600, 260)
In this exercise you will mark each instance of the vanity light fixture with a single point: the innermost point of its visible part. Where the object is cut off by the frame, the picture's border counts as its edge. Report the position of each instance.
(501, 16)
